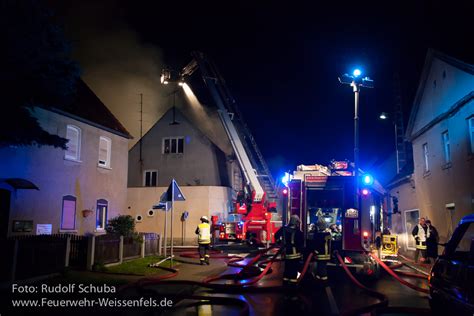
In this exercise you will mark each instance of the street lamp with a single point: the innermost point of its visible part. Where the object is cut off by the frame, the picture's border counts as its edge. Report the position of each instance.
(383, 116)
(356, 82)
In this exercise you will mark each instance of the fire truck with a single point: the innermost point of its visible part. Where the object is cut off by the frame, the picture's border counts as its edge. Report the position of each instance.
(256, 201)
(316, 191)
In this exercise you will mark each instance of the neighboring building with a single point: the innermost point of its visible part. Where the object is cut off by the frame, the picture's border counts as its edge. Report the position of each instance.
(195, 151)
(78, 189)
(404, 211)
(441, 129)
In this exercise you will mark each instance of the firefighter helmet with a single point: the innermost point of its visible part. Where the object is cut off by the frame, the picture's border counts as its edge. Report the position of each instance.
(204, 219)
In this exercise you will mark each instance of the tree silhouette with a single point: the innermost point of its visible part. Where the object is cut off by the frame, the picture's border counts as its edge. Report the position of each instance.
(35, 70)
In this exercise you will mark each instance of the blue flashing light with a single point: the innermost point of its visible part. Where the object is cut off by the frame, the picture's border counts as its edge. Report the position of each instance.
(285, 179)
(357, 72)
(368, 179)
(241, 223)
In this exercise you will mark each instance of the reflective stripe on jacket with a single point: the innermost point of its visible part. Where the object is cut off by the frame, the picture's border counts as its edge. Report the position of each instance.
(324, 252)
(292, 240)
(421, 236)
(294, 253)
(204, 233)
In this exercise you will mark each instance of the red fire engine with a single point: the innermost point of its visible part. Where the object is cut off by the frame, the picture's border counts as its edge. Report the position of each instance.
(318, 191)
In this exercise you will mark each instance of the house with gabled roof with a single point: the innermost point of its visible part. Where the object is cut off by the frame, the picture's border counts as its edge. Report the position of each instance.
(189, 145)
(47, 190)
(441, 129)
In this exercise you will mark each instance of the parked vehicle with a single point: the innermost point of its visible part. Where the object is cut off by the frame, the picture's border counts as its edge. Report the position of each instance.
(451, 279)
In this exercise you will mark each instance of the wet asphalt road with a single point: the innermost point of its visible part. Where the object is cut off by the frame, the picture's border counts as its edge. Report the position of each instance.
(338, 296)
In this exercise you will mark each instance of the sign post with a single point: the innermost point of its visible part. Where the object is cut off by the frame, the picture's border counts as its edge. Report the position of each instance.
(173, 194)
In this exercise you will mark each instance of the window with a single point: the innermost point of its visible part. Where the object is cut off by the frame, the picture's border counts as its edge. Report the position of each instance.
(101, 219)
(425, 155)
(173, 145)
(68, 217)
(73, 135)
(150, 178)
(471, 133)
(104, 151)
(447, 151)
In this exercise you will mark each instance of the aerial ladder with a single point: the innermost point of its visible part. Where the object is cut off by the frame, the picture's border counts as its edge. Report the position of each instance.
(252, 203)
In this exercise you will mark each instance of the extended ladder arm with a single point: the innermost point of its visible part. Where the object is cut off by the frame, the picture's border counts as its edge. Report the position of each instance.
(211, 82)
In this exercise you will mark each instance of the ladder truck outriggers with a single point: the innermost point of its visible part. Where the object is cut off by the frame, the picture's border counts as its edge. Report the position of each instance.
(257, 201)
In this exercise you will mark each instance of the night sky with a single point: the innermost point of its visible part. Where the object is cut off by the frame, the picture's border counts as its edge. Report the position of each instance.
(281, 61)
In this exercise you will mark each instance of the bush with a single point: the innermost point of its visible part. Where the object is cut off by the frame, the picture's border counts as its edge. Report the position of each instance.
(123, 225)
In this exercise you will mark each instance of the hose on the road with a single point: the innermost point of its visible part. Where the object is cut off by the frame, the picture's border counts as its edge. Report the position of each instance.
(383, 300)
(393, 274)
(405, 273)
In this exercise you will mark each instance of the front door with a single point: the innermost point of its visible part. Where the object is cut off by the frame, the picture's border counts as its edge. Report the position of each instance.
(4, 212)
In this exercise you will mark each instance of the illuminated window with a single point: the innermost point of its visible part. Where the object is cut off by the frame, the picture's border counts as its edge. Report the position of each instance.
(105, 145)
(446, 146)
(73, 135)
(471, 133)
(150, 178)
(173, 145)
(101, 218)
(425, 155)
(68, 216)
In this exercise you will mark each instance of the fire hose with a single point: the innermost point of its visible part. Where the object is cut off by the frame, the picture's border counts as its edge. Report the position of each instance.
(393, 274)
(265, 265)
(243, 284)
(380, 296)
(214, 300)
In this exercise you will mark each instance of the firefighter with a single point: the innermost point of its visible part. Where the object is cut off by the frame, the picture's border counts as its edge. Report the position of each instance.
(421, 232)
(203, 231)
(291, 238)
(323, 249)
